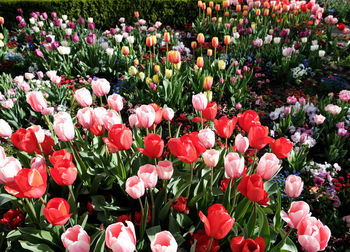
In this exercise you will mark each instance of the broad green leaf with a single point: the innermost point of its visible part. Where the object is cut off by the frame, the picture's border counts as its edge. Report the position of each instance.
(35, 247)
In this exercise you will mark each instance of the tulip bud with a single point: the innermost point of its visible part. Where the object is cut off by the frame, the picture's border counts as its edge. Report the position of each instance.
(215, 42)
(193, 44)
(125, 50)
(166, 37)
(200, 62)
(210, 52)
(200, 38)
(227, 39)
(208, 82)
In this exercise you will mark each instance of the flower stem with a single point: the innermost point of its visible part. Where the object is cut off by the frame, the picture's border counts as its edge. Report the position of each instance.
(286, 236)
(191, 177)
(169, 129)
(31, 210)
(43, 201)
(141, 205)
(210, 243)
(211, 178)
(50, 128)
(165, 185)
(72, 193)
(153, 206)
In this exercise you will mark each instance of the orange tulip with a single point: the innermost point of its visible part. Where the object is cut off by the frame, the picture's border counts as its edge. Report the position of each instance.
(225, 4)
(193, 44)
(174, 57)
(200, 38)
(210, 52)
(200, 62)
(149, 41)
(245, 13)
(258, 12)
(137, 14)
(125, 50)
(209, 11)
(211, 4)
(215, 42)
(227, 13)
(238, 8)
(157, 68)
(217, 7)
(208, 82)
(154, 40)
(227, 39)
(266, 12)
(166, 37)
(199, 4)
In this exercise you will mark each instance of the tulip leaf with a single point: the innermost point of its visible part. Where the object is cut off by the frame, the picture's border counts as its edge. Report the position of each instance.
(264, 231)
(144, 219)
(242, 208)
(193, 247)
(100, 244)
(4, 198)
(35, 247)
(152, 231)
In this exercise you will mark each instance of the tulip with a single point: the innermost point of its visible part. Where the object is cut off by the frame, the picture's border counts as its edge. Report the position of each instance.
(218, 222)
(25, 140)
(121, 238)
(199, 102)
(149, 41)
(200, 38)
(60, 155)
(5, 129)
(100, 87)
(146, 115)
(135, 187)
(207, 138)
(297, 212)
(125, 50)
(75, 239)
(164, 242)
(210, 112)
(239, 244)
(168, 114)
(258, 137)
(208, 82)
(120, 138)
(46, 146)
(115, 101)
(148, 174)
(252, 187)
(224, 127)
(193, 44)
(294, 186)
(227, 40)
(210, 52)
(85, 117)
(39, 133)
(36, 100)
(248, 119)
(211, 157)
(165, 169)
(64, 172)
(111, 118)
(234, 165)
(174, 57)
(56, 211)
(215, 42)
(319, 119)
(63, 126)
(221, 65)
(133, 121)
(281, 147)
(268, 166)
(158, 113)
(154, 146)
(166, 37)
(83, 97)
(9, 168)
(241, 143)
(200, 62)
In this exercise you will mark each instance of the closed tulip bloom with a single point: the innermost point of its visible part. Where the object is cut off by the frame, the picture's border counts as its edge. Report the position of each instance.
(165, 169)
(148, 174)
(234, 165)
(210, 112)
(199, 102)
(135, 187)
(121, 238)
(85, 117)
(154, 146)
(120, 138)
(133, 121)
(209, 11)
(215, 42)
(313, 235)
(63, 126)
(248, 119)
(111, 118)
(164, 242)
(39, 133)
(174, 57)
(258, 137)
(83, 97)
(158, 113)
(193, 44)
(200, 62)
(200, 38)
(125, 50)
(64, 172)
(252, 187)
(297, 212)
(294, 186)
(146, 115)
(75, 239)
(268, 166)
(281, 147)
(210, 52)
(241, 143)
(149, 41)
(211, 157)
(224, 127)
(99, 114)
(9, 167)
(319, 119)
(227, 39)
(166, 37)
(239, 244)
(168, 114)
(207, 138)
(25, 140)
(208, 82)
(60, 155)
(218, 222)
(115, 101)
(100, 87)
(56, 211)
(36, 100)
(5, 129)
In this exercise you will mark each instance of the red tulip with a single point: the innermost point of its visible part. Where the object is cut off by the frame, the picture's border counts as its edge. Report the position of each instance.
(120, 138)
(64, 172)
(248, 119)
(25, 140)
(210, 112)
(187, 148)
(281, 147)
(59, 155)
(97, 130)
(46, 146)
(225, 126)
(252, 187)
(258, 137)
(218, 223)
(154, 146)
(56, 211)
(28, 183)
(159, 113)
(239, 244)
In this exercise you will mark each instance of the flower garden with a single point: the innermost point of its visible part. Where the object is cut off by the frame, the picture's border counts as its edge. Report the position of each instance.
(227, 134)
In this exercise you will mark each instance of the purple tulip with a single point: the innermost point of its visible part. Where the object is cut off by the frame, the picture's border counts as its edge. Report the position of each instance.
(53, 14)
(20, 10)
(38, 53)
(249, 30)
(19, 18)
(245, 21)
(71, 25)
(128, 29)
(55, 45)
(29, 38)
(56, 22)
(297, 46)
(81, 21)
(34, 15)
(239, 26)
(22, 24)
(48, 39)
(89, 40)
(241, 32)
(44, 15)
(113, 30)
(75, 38)
(91, 26)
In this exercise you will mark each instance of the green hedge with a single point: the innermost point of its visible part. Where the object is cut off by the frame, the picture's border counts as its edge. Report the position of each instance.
(106, 13)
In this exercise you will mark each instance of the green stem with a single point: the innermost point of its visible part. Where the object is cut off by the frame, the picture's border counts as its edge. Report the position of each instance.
(83, 170)
(72, 193)
(165, 185)
(64, 229)
(234, 196)
(31, 208)
(101, 101)
(191, 177)
(141, 205)
(120, 165)
(211, 178)
(210, 243)
(286, 236)
(50, 128)
(153, 205)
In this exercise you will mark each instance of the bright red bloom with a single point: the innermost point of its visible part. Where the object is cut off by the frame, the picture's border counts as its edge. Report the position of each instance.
(281, 147)
(56, 211)
(97, 130)
(197, 119)
(252, 187)
(28, 183)
(158, 112)
(154, 146)
(124, 217)
(218, 223)
(210, 112)
(203, 242)
(46, 146)
(224, 184)
(120, 138)
(180, 205)
(341, 26)
(239, 244)
(187, 148)
(13, 219)
(64, 172)
(25, 140)
(90, 208)
(258, 137)
(248, 119)
(59, 155)
(224, 127)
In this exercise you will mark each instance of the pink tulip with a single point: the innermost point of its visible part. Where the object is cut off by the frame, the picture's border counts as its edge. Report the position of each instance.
(115, 101)
(211, 157)
(63, 126)
(135, 187)
(346, 219)
(294, 186)
(85, 117)
(83, 97)
(268, 165)
(133, 121)
(148, 174)
(298, 210)
(313, 236)
(9, 167)
(207, 138)
(5, 129)
(319, 119)
(47, 111)
(234, 165)
(29, 76)
(333, 109)
(100, 87)
(168, 114)
(39, 133)
(36, 100)
(199, 102)
(7, 104)
(111, 118)
(165, 169)
(2, 155)
(241, 143)
(75, 239)
(121, 238)
(99, 114)
(164, 242)
(146, 115)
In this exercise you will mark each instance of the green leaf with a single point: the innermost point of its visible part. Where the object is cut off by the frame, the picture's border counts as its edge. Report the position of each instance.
(264, 231)
(144, 219)
(242, 208)
(35, 247)
(98, 202)
(152, 231)
(4, 198)
(100, 244)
